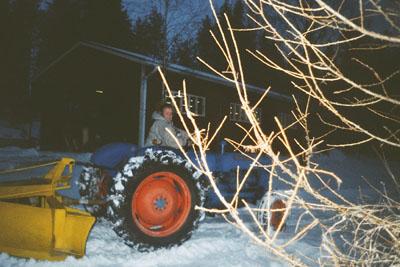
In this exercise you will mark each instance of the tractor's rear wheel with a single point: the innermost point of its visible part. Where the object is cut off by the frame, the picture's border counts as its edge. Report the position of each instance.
(153, 202)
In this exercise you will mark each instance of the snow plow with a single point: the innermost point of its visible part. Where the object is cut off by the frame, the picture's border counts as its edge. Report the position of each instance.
(150, 194)
(34, 221)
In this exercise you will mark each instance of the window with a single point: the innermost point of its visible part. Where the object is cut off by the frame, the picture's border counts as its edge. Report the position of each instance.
(237, 113)
(197, 104)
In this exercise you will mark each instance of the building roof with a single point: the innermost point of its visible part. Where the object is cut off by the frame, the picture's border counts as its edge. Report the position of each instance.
(146, 60)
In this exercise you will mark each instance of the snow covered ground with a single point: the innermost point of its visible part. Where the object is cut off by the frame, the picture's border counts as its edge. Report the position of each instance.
(215, 243)
(20, 131)
(6, 131)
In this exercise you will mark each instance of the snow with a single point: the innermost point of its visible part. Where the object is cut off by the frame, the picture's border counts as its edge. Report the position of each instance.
(9, 132)
(20, 131)
(215, 243)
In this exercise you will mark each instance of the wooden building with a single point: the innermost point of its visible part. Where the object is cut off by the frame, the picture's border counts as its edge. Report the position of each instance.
(112, 93)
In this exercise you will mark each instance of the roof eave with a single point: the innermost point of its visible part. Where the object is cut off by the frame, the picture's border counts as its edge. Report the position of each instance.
(145, 60)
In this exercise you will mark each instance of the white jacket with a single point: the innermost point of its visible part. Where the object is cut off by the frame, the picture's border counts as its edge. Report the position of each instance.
(158, 134)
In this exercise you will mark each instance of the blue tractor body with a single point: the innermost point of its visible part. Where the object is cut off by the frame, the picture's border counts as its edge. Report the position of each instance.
(224, 166)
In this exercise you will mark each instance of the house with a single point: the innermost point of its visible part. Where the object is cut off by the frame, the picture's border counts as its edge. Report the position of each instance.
(96, 94)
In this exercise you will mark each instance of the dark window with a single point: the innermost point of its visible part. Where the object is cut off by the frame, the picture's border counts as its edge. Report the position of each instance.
(237, 113)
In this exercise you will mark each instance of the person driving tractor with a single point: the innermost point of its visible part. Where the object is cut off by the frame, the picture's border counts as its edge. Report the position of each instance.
(159, 135)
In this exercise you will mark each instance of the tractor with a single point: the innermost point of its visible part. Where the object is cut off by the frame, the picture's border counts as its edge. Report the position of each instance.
(150, 194)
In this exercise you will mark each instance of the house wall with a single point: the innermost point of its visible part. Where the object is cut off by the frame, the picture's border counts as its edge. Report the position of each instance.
(70, 101)
(218, 100)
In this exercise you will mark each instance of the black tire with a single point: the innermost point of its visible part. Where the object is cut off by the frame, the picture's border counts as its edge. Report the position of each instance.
(88, 185)
(126, 183)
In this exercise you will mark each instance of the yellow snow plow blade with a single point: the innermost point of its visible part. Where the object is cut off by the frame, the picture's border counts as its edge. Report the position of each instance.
(34, 223)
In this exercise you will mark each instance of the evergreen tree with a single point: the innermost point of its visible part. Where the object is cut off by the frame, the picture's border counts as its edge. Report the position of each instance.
(5, 11)
(17, 49)
(184, 53)
(210, 52)
(5, 32)
(246, 40)
(149, 34)
(104, 21)
(204, 38)
(255, 72)
(70, 21)
(226, 9)
(207, 50)
(61, 29)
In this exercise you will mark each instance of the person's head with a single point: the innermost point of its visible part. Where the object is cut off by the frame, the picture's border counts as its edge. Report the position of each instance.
(167, 111)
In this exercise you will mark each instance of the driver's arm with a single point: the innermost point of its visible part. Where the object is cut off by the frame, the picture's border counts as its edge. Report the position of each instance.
(180, 135)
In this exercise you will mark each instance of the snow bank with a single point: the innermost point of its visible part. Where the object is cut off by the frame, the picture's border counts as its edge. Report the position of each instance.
(20, 131)
(16, 152)
(9, 132)
(353, 169)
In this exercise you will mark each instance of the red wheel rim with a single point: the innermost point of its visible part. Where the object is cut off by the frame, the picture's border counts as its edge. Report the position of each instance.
(103, 185)
(161, 204)
(278, 210)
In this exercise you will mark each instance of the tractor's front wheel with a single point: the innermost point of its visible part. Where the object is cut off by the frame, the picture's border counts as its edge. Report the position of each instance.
(92, 184)
(153, 201)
